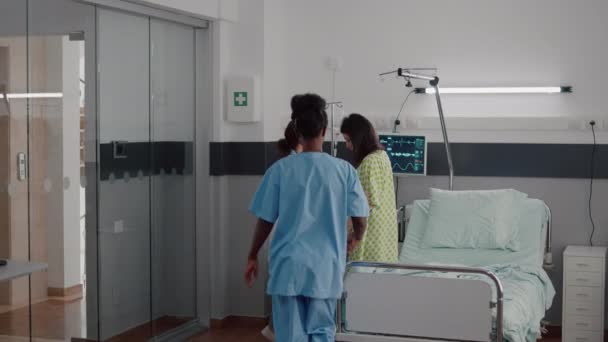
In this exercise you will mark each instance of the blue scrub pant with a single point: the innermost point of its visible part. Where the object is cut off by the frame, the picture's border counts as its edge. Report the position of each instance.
(303, 319)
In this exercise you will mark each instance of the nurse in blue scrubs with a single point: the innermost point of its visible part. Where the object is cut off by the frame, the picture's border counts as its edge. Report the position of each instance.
(309, 195)
(288, 145)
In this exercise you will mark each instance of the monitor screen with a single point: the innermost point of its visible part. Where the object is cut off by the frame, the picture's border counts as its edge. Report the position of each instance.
(407, 153)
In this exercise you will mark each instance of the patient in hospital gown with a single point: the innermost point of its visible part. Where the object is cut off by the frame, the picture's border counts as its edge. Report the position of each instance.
(380, 243)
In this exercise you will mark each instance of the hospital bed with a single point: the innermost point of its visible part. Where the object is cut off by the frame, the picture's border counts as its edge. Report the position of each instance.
(442, 294)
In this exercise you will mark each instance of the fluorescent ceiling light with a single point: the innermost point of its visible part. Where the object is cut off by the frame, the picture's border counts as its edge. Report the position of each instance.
(496, 90)
(32, 96)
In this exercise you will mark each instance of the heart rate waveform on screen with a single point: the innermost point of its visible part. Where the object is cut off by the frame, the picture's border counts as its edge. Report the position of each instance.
(407, 153)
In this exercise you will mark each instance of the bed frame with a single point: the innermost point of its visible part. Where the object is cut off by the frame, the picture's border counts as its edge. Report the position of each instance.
(446, 309)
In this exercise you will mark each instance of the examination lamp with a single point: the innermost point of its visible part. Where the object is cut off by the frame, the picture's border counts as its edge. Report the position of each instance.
(434, 83)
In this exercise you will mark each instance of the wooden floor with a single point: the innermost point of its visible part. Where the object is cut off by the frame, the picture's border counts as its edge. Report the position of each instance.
(56, 320)
(59, 320)
(249, 331)
(146, 331)
(52, 319)
(235, 331)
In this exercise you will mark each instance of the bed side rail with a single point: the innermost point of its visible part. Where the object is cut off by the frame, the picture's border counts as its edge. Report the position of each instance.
(548, 256)
(416, 283)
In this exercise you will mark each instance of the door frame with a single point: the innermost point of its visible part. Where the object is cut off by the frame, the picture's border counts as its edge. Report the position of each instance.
(153, 11)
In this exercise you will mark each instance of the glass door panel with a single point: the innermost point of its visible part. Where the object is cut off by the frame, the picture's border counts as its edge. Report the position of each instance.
(173, 180)
(124, 187)
(58, 110)
(14, 194)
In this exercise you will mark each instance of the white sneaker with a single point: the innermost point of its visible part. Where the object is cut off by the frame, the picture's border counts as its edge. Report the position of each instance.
(268, 333)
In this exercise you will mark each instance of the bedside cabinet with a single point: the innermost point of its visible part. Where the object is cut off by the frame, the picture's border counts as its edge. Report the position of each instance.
(583, 297)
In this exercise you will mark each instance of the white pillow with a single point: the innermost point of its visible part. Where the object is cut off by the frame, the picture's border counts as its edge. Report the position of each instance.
(484, 219)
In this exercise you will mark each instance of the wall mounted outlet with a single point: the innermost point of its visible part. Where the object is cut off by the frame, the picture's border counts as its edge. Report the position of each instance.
(379, 123)
(334, 63)
(119, 226)
(585, 124)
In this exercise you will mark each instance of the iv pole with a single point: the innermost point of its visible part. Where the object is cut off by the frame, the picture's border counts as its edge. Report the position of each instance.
(332, 106)
(434, 82)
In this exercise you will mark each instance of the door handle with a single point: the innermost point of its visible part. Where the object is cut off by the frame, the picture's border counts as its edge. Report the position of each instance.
(21, 167)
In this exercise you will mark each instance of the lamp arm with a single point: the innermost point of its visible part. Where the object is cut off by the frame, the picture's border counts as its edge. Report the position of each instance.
(434, 82)
(446, 142)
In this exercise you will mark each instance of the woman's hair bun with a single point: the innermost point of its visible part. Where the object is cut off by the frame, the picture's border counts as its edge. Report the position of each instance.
(308, 115)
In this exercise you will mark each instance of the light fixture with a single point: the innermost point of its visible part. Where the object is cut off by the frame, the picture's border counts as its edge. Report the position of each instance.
(497, 90)
(32, 96)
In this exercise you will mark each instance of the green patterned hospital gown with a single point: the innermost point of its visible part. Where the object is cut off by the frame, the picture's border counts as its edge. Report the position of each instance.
(380, 242)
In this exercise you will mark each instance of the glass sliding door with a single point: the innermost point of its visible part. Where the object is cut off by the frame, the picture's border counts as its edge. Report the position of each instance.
(147, 250)
(61, 102)
(14, 185)
(125, 183)
(97, 173)
(43, 107)
(173, 183)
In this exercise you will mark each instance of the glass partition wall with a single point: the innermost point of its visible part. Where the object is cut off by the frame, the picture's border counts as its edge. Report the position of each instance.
(14, 188)
(146, 208)
(97, 173)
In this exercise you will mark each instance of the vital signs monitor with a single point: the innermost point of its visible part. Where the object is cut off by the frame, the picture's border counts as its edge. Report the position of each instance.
(407, 153)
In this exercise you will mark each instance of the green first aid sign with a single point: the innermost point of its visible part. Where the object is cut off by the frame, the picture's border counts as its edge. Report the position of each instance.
(240, 99)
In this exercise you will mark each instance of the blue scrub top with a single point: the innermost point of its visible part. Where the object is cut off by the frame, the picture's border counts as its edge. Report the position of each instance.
(309, 196)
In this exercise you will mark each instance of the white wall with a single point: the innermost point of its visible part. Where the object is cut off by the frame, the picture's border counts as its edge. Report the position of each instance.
(287, 42)
(472, 43)
(276, 71)
(71, 162)
(63, 170)
(239, 50)
(232, 229)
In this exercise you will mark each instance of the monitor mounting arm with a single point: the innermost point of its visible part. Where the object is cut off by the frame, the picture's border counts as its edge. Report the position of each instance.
(434, 82)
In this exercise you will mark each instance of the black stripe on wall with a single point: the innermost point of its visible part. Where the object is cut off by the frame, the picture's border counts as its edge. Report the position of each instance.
(519, 160)
(147, 158)
(238, 158)
(470, 159)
